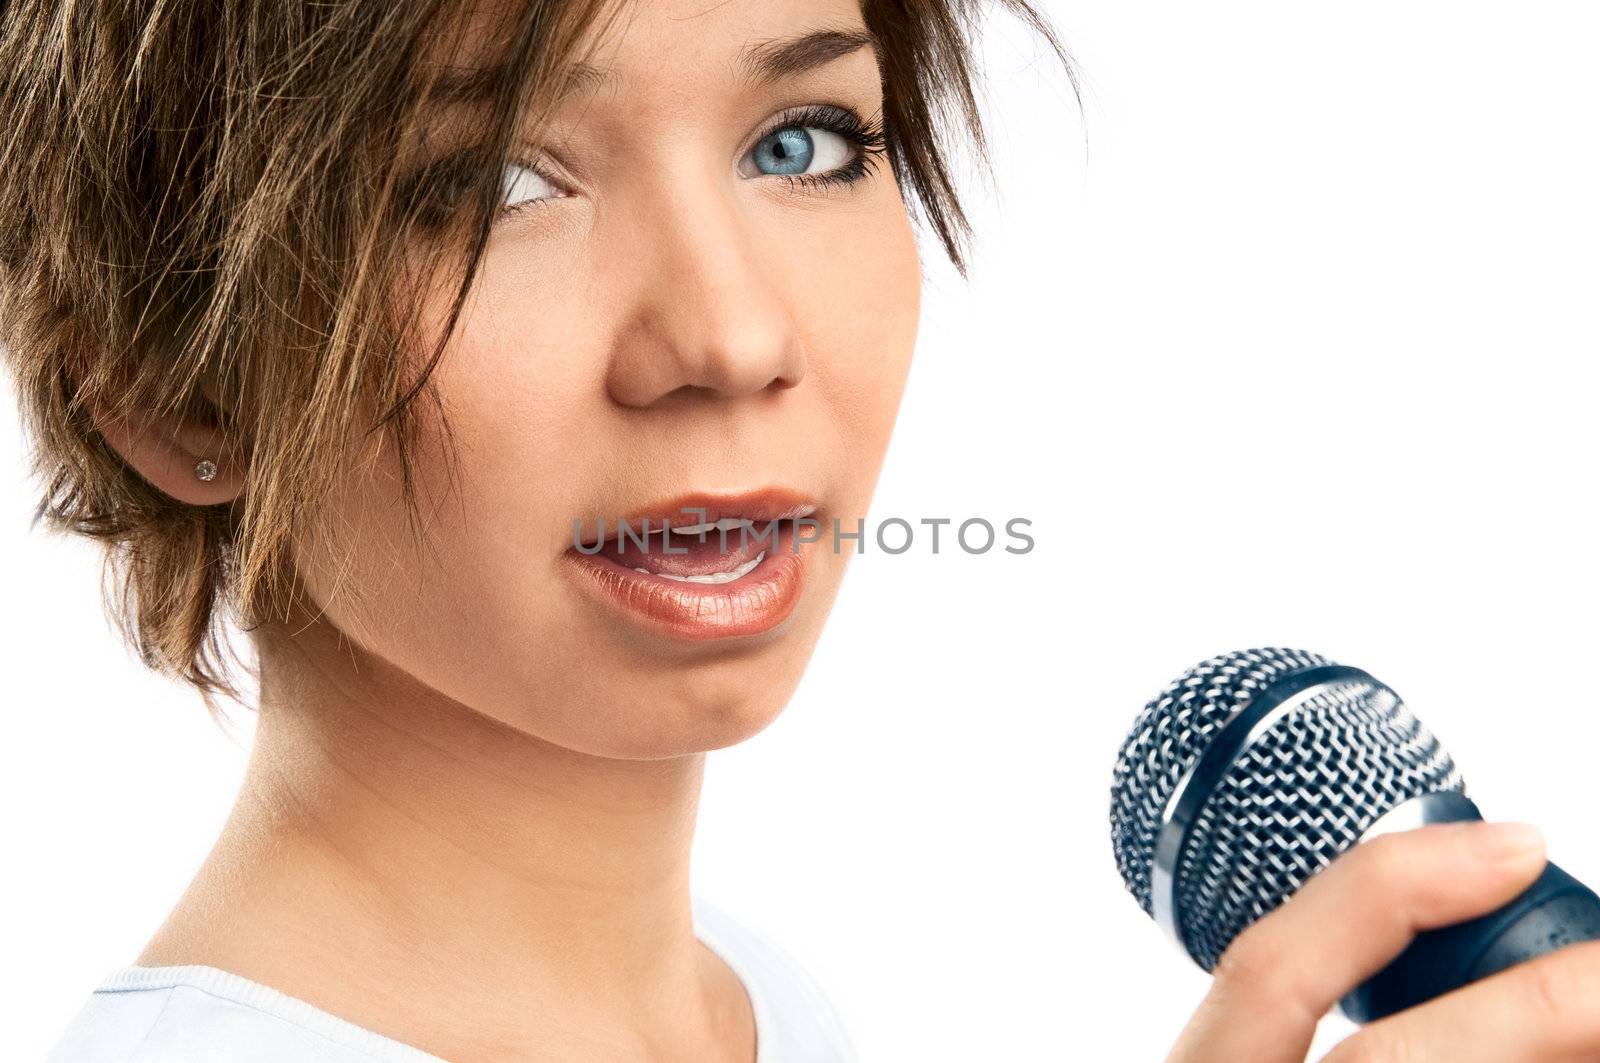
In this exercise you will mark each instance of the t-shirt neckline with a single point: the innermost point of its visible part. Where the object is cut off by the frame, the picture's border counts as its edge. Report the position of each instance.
(251, 994)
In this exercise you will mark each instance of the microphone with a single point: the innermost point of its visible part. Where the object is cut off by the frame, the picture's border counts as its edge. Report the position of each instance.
(1253, 770)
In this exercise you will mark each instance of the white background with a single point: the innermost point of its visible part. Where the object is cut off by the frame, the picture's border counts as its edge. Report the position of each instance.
(1302, 353)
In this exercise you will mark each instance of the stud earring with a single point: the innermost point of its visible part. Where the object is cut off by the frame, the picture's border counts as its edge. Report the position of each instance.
(205, 470)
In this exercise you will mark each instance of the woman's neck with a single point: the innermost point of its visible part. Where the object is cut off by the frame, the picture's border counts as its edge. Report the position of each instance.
(417, 868)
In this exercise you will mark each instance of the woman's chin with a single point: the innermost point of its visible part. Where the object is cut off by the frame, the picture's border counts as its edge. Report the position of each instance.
(679, 732)
(664, 726)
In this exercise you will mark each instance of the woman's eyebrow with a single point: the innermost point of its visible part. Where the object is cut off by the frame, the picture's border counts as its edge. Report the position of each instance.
(759, 63)
(764, 62)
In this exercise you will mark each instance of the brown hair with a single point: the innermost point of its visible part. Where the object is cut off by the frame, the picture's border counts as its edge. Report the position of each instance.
(204, 212)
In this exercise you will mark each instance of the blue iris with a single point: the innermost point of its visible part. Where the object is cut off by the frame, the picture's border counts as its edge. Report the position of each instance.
(786, 151)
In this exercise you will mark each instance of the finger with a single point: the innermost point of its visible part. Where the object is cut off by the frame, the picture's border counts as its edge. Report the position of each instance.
(1284, 972)
(1544, 1010)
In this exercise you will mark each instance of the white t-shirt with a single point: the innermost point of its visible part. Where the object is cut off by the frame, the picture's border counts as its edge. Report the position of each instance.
(194, 1013)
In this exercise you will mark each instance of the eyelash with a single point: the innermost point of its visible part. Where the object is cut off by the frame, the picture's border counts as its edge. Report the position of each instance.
(867, 137)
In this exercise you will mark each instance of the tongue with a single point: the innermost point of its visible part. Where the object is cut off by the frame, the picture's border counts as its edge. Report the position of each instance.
(693, 554)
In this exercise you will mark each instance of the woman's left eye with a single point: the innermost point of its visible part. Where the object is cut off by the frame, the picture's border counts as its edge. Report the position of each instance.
(816, 145)
(799, 150)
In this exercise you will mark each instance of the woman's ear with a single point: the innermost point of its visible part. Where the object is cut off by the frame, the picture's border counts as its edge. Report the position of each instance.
(170, 451)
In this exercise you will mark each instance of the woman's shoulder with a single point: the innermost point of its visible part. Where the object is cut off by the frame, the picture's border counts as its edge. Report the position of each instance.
(194, 1012)
(795, 1020)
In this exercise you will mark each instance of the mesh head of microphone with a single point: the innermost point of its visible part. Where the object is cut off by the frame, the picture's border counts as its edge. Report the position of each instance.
(1300, 793)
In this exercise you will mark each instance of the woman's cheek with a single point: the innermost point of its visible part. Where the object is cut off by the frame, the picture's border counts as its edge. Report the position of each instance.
(866, 329)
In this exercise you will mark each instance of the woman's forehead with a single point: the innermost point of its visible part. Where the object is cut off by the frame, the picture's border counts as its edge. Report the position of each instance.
(754, 42)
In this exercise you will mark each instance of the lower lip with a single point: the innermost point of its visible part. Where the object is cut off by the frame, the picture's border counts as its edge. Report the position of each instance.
(755, 603)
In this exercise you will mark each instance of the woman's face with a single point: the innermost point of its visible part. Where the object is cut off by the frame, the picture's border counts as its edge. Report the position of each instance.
(684, 305)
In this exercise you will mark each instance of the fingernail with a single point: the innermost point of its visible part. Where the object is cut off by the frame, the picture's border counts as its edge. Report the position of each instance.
(1505, 841)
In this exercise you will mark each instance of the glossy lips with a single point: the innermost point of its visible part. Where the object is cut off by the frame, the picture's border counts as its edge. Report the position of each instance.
(693, 588)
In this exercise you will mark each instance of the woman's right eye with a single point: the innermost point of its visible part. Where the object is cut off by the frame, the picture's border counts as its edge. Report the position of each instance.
(525, 186)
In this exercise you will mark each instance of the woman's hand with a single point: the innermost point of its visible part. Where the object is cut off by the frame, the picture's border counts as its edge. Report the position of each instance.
(1282, 974)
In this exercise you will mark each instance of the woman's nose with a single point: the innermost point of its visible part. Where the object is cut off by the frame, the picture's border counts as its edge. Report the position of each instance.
(709, 314)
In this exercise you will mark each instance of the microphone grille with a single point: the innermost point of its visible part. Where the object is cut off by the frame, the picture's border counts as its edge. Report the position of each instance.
(1300, 793)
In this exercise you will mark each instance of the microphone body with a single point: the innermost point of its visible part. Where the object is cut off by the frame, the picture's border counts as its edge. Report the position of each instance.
(1556, 910)
(1255, 769)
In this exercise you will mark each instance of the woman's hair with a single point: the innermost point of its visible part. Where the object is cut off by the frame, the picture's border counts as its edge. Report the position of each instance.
(210, 209)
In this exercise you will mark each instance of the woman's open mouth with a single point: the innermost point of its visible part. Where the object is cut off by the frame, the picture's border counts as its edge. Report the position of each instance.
(702, 567)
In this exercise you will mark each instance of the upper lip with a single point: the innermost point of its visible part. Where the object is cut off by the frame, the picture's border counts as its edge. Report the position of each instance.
(759, 506)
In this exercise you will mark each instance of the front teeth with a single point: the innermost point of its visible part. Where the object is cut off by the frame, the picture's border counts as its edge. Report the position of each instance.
(725, 524)
(712, 577)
